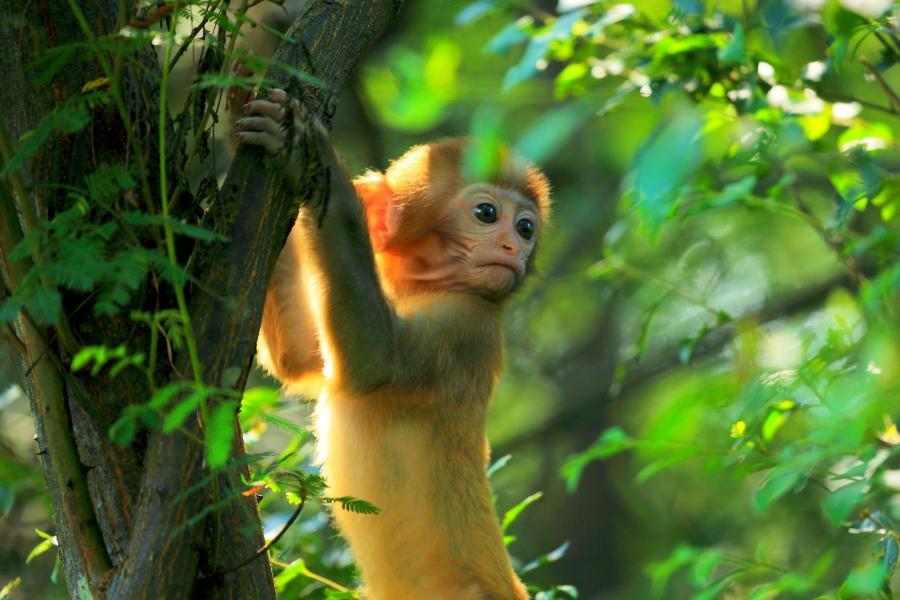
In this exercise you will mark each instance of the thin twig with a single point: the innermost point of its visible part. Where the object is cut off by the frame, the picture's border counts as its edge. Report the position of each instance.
(885, 87)
(273, 541)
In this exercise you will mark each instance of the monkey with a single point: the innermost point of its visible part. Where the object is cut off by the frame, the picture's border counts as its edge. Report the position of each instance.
(392, 298)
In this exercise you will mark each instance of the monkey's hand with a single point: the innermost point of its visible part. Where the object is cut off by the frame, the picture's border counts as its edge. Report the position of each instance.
(296, 140)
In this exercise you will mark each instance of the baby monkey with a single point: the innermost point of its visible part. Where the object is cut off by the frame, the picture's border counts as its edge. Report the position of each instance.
(390, 299)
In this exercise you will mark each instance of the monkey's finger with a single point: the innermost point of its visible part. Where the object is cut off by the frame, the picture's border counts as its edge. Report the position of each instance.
(277, 95)
(265, 108)
(281, 97)
(257, 138)
(260, 124)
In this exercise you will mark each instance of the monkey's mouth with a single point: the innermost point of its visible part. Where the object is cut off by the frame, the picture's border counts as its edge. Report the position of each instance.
(515, 269)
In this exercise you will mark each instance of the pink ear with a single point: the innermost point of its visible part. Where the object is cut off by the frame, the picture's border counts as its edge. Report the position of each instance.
(381, 212)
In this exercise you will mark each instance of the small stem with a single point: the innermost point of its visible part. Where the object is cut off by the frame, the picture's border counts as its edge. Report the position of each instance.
(167, 227)
(738, 560)
(274, 540)
(886, 45)
(311, 575)
(849, 262)
(885, 87)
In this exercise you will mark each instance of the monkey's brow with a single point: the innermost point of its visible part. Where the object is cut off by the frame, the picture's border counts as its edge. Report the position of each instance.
(521, 200)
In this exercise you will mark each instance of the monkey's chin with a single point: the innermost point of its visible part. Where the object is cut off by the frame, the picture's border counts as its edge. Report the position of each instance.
(500, 281)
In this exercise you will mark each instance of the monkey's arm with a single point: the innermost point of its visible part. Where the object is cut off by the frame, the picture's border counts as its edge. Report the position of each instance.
(287, 346)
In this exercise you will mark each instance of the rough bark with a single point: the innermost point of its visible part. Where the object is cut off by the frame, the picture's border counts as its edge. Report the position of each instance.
(122, 508)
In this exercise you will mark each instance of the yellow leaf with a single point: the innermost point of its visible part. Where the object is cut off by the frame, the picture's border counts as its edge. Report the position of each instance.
(738, 429)
(94, 84)
(889, 435)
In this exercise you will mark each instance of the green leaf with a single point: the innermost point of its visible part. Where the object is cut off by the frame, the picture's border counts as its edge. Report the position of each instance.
(891, 552)
(546, 559)
(289, 573)
(181, 411)
(220, 433)
(867, 581)
(498, 464)
(7, 498)
(473, 12)
(178, 227)
(511, 35)
(161, 396)
(546, 136)
(528, 65)
(71, 117)
(538, 46)
(122, 432)
(733, 53)
(44, 305)
(663, 166)
(510, 516)
(283, 424)
(779, 482)
(483, 156)
(7, 589)
(48, 542)
(660, 572)
(354, 505)
(839, 503)
(704, 565)
(611, 442)
(773, 423)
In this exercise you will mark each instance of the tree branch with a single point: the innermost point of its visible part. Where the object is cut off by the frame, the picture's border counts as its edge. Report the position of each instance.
(74, 513)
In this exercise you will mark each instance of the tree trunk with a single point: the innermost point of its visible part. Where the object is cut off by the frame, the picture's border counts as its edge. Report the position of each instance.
(121, 513)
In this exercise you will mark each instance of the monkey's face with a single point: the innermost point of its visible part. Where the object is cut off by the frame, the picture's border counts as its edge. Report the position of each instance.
(490, 234)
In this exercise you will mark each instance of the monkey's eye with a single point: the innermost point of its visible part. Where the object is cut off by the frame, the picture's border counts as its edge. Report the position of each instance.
(525, 227)
(485, 212)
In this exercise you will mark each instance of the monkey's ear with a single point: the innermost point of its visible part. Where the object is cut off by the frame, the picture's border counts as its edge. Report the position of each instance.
(381, 212)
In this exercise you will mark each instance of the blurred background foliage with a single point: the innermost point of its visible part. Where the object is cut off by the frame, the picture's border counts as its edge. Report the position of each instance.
(702, 380)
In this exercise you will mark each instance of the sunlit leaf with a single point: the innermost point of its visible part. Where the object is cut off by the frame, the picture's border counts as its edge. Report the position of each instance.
(547, 135)
(48, 542)
(734, 51)
(546, 559)
(511, 35)
(7, 589)
(220, 433)
(839, 503)
(473, 12)
(663, 165)
(779, 482)
(866, 581)
(510, 516)
(498, 464)
(611, 442)
(181, 411)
